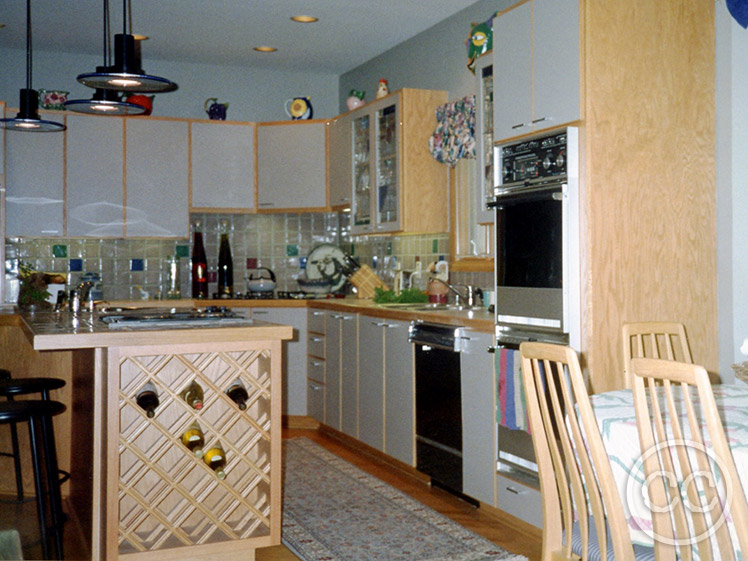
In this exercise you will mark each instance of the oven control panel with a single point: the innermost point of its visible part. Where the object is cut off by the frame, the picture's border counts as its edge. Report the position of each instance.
(534, 159)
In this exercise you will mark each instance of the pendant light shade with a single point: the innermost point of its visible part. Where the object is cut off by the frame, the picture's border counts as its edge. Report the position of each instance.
(104, 102)
(27, 119)
(126, 74)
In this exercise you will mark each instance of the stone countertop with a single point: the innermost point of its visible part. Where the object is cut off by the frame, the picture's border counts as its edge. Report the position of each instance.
(49, 330)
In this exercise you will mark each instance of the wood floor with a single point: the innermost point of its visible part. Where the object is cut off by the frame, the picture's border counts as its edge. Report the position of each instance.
(505, 532)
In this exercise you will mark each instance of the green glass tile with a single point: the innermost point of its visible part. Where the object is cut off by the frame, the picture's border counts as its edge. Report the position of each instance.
(183, 251)
(59, 250)
(434, 246)
(389, 248)
(292, 250)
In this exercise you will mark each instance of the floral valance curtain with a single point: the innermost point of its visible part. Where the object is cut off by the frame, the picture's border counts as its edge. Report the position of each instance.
(454, 137)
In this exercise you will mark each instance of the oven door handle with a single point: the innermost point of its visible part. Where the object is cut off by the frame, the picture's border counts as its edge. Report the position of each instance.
(556, 192)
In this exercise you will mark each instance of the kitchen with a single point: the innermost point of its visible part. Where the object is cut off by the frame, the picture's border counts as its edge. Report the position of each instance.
(431, 61)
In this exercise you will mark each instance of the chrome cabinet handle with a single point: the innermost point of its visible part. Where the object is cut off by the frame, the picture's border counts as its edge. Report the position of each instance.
(518, 126)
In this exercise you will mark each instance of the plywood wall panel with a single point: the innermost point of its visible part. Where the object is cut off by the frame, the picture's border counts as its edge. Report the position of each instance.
(650, 176)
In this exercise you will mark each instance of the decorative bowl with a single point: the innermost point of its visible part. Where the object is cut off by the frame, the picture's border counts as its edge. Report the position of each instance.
(316, 286)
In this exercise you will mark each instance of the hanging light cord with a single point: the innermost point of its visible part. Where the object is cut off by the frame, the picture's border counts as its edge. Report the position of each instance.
(28, 44)
(107, 57)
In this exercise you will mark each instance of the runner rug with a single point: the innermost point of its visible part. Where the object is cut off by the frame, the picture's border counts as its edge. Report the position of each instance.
(333, 511)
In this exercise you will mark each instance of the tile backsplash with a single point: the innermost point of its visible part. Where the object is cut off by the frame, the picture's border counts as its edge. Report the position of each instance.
(130, 268)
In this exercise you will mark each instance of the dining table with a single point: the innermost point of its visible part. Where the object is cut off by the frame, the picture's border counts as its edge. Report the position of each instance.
(616, 419)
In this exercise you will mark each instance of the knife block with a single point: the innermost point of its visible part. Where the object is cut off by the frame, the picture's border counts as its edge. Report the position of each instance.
(366, 280)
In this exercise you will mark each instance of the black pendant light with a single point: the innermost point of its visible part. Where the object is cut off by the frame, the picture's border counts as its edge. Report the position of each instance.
(126, 75)
(27, 119)
(105, 102)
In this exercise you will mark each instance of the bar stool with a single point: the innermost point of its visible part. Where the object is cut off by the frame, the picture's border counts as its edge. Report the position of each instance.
(38, 414)
(10, 387)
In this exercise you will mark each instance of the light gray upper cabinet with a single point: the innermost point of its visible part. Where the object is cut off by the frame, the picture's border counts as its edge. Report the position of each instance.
(479, 432)
(371, 381)
(35, 180)
(339, 160)
(294, 356)
(223, 166)
(399, 401)
(157, 178)
(291, 165)
(536, 67)
(95, 176)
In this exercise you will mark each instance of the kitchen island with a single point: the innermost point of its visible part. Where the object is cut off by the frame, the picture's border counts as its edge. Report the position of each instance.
(136, 490)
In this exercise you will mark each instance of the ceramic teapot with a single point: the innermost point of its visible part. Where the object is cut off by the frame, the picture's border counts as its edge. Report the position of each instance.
(216, 111)
(298, 108)
(261, 283)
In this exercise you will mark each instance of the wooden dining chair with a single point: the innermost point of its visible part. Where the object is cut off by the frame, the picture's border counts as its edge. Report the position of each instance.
(692, 481)
(576, 480)
(654, 339)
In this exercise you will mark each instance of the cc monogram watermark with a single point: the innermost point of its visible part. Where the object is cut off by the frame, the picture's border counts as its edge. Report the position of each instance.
(704, 489)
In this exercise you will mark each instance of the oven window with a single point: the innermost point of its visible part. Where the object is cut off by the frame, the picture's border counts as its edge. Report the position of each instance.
(529, 242)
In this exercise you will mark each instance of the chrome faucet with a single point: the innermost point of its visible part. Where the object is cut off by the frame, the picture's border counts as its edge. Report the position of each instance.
(470, 292)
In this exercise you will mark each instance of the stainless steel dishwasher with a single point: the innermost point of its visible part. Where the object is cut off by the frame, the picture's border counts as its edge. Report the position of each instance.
(438, 402)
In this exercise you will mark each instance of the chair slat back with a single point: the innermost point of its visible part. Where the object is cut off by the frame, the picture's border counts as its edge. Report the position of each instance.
(691, 478)
(576, 479)
(654, 339)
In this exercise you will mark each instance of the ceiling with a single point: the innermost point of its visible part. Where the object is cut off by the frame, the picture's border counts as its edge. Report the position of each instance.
(348, 33)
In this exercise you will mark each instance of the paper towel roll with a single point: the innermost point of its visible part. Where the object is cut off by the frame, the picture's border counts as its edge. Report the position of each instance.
(744, 347)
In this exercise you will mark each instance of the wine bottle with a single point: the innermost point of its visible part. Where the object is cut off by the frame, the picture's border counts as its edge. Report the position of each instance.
(216, 460)
(199, 265)
(194, 439)
(147, 399)
(193, 395)
(238, 393)
(225, 264)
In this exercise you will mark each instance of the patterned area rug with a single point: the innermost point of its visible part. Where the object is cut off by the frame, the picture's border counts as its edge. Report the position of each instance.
(333, 511)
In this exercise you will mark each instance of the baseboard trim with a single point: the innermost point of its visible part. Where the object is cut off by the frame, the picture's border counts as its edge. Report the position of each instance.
(302, 422)
(373, 453)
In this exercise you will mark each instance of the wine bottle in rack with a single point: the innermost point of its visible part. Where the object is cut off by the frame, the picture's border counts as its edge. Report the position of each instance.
(216, 460)
(238, 393)
(194, 439)
(147, 399)
(193, 395)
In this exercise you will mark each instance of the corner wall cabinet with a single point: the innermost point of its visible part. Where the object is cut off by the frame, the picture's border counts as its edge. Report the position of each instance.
(339, 161)
(536, 65)
(95, 168)
(222, 166)
(396, 185)
(156, 170)
(34, 180)
(291, 166)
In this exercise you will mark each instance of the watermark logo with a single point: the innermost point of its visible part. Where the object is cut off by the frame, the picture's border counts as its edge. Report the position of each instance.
(703, 489)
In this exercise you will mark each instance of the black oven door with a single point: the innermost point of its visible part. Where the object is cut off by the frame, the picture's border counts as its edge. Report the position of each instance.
(530, 257)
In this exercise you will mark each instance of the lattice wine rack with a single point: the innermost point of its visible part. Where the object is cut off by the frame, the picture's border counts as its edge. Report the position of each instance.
(168, 497)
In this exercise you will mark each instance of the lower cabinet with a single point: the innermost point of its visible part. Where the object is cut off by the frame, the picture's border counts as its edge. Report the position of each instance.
(315, 365)
(294, 356)
(332, 369)
(479, 430)
(341, 372)
(399, 393)
(371, 381)
(519, 500)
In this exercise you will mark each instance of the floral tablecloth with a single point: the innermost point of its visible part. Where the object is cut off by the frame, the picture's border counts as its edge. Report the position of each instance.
(617, 422)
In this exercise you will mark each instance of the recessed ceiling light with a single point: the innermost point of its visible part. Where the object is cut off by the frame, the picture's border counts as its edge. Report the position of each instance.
(265, 49)
(304, 19)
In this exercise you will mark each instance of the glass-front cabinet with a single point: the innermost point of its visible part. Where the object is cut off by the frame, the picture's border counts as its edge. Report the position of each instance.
(484, 134)
(376, 170)
(396, 185)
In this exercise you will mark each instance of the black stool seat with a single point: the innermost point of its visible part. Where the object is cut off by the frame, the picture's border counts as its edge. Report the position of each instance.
(23, 386)
(38, 413)
(22, 411)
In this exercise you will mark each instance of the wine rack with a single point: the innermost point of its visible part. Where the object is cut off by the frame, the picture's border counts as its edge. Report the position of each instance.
(169, 498)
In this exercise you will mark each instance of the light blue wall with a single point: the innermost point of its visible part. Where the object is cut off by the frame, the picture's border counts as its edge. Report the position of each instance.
(253, 94)
(435, 59)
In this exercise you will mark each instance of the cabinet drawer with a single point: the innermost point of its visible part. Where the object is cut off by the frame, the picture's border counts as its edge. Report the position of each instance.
(315, 321)
(315, 369)
(315, 400)
(518, 500)
(316, 345)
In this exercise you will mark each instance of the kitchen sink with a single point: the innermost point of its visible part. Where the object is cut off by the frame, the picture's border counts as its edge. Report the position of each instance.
(427, 307)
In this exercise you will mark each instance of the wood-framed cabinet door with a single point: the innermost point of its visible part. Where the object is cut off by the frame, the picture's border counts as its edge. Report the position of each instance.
(399, 402)
(222, 166)
(371, 382)
(95, 195)
(339, 156)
